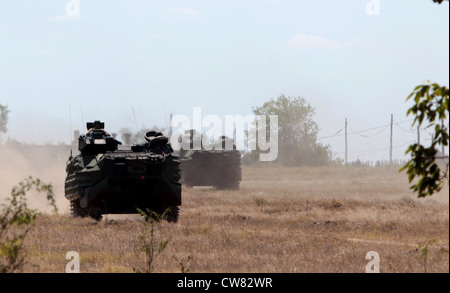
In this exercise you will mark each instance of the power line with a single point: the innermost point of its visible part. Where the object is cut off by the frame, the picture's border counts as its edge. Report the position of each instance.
(333, 135)
(412, 130)
(377, 130)
(373, 128)
(363, 135)
(406, 130)
(383, 127)
(405, 121)
(338, 133)
(379, 150)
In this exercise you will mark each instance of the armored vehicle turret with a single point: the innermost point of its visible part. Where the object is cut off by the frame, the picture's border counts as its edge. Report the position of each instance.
(104, 180)
(218, 165)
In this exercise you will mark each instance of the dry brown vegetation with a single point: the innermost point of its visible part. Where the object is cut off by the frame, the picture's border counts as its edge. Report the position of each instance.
(281, 220)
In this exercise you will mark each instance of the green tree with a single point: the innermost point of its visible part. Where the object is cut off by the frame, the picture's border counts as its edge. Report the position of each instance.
(430, 108)
(297, 132)
(3, 118)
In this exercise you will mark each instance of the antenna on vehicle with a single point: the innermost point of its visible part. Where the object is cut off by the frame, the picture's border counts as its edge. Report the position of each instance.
(135, 121)
(170, 126)
(70, 124)
(165, 117)
(82, 117)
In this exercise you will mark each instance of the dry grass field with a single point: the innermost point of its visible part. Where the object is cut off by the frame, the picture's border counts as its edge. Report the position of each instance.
(282, 220)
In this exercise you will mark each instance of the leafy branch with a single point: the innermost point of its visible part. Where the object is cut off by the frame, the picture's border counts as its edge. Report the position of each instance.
(431, 107)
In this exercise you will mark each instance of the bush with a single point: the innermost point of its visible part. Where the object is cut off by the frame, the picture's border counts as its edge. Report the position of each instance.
(16, 220)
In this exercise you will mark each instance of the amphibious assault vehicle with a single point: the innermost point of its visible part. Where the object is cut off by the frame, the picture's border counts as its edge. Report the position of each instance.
(219, 167)
(102, 179)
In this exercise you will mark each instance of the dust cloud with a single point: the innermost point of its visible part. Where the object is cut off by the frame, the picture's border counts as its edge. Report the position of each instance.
(48, 162)
(44, 162)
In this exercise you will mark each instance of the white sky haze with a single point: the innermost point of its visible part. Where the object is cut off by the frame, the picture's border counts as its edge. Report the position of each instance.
(58, 71)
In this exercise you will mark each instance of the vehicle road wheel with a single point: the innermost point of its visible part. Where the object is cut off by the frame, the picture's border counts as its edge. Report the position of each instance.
(76, 210)
(173, 214)
(95, 213)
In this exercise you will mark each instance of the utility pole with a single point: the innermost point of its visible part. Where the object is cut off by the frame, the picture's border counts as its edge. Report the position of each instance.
(390, 147)
(418, 135)
(442, 145)
(346, 145)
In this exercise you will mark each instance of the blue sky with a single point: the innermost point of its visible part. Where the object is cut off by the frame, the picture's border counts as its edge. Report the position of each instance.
(227, 56)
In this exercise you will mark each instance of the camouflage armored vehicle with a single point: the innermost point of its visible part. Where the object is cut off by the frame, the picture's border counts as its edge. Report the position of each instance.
(218, 167)
(102, 179)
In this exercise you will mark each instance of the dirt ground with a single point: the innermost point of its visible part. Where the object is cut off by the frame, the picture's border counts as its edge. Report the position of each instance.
(281, 220)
